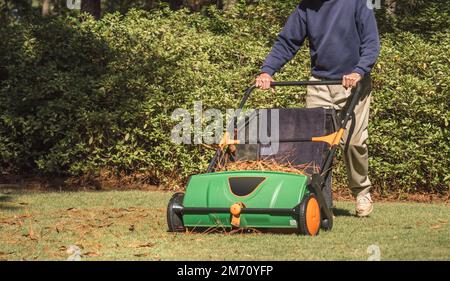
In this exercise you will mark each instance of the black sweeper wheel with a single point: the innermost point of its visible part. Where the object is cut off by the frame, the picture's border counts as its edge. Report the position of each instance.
(326, 225)
(309, 219)
(175, 220)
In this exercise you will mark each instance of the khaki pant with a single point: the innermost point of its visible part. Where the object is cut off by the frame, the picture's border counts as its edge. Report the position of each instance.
(355, 147)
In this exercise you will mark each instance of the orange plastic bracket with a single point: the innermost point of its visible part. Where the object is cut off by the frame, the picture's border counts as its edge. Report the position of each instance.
(227, 141)
(235, 211)
(332, 139)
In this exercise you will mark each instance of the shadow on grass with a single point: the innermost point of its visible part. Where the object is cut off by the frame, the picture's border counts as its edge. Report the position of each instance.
(338, 212)
(4, 200)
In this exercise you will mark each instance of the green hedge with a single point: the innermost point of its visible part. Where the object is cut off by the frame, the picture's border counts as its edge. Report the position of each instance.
(80, 96)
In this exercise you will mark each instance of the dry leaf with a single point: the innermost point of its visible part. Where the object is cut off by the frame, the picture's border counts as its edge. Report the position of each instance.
(147, 245)
(267, 165)
(142, 245)
(31, 234)
(91, 254)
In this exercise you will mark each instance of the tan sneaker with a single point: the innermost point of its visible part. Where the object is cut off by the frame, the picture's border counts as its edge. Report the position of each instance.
(364, 206)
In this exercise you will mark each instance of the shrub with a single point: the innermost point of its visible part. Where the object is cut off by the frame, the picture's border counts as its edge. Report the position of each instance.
(80, 96)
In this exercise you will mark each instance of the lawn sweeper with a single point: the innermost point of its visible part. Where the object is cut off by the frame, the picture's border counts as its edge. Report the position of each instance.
(261, 199)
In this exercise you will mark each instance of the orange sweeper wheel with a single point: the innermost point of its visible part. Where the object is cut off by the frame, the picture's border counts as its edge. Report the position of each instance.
(309, 219)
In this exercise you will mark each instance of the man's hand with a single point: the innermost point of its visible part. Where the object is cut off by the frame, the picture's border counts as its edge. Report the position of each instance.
(350, 80)
(263, 81)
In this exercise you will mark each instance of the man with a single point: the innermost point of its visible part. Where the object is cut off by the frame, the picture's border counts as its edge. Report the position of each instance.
(344, 44)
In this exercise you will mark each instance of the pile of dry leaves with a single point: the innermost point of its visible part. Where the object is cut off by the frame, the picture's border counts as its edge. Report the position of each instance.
(270, 165)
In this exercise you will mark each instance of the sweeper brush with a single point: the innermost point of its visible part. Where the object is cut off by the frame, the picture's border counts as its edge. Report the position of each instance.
(289, 188)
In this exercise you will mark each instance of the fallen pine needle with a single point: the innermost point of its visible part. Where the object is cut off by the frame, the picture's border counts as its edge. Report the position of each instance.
(269, 165)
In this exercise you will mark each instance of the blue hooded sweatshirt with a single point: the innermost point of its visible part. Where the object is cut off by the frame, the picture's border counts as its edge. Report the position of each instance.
(343, 38)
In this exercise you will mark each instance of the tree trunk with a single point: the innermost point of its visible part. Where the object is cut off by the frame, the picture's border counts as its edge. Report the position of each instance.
(225, 4)
(195, 5)
(45, 8)
(175, 4)
(92, 7)
(150, 4)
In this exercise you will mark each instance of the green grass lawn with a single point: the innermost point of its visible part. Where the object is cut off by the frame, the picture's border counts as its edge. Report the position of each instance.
(131, 225)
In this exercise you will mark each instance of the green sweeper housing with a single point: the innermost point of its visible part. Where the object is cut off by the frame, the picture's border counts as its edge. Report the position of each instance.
(266, 199)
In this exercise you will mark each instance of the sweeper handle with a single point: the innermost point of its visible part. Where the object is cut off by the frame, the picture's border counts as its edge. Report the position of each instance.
(348, 108)
(306, 83)
(345, 116)
(289, 84)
